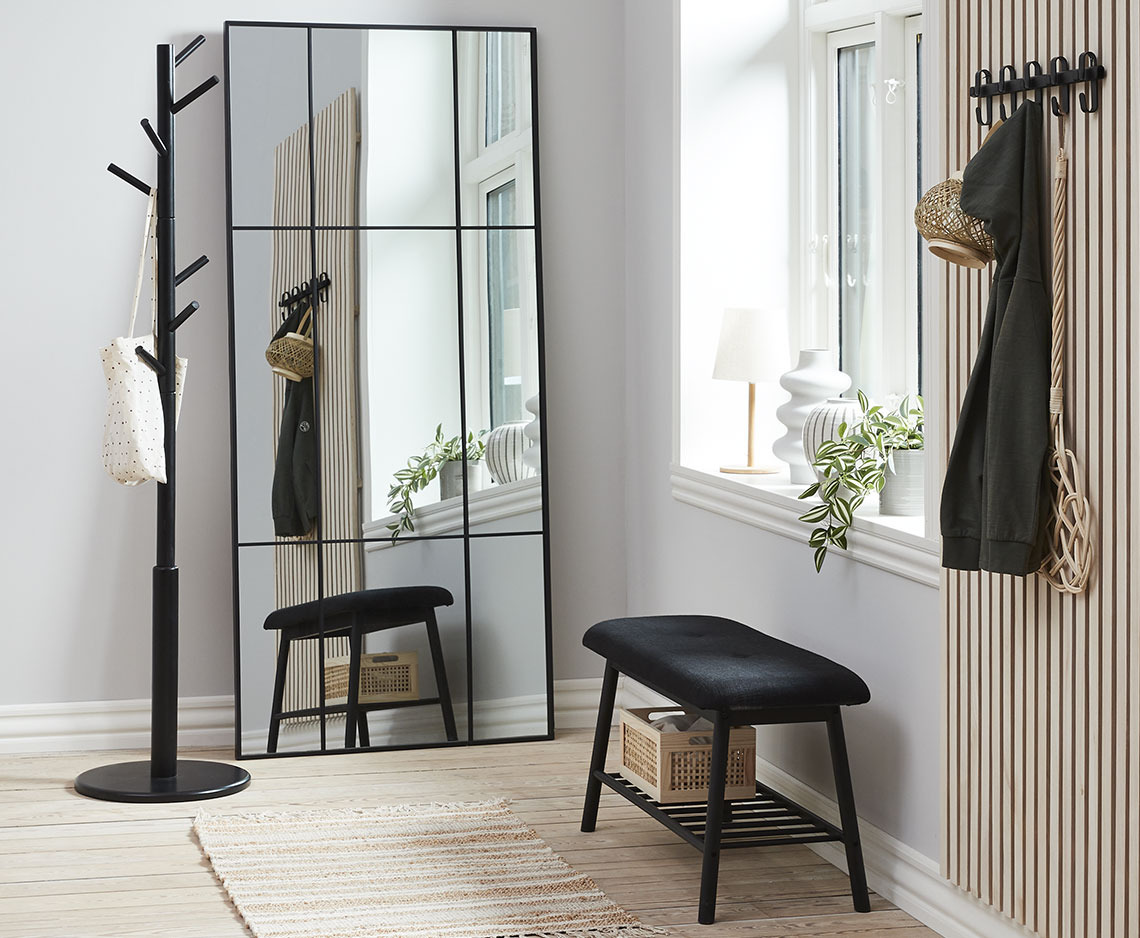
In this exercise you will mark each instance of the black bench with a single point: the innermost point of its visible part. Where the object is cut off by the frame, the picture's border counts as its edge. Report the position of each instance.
(732, 675)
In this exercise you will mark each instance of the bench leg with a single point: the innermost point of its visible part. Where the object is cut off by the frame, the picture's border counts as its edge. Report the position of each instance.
(278, 695)
(352, 716)
(714, 818)
(601, 744)
(846, 798)
(443, 691)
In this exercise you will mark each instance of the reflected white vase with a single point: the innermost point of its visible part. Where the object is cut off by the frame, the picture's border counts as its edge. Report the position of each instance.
(506, 446)
(810, 383)
(532, 458)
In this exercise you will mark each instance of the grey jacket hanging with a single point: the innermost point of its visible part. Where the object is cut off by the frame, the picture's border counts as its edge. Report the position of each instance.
(995, 495)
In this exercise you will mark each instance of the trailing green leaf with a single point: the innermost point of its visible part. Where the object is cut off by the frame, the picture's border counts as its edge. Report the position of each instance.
(422, 469)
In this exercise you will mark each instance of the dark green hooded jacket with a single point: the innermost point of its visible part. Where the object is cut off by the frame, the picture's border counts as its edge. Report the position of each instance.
(995, 497)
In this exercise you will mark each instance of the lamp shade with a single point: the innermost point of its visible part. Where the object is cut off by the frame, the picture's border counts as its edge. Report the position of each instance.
(753, 345)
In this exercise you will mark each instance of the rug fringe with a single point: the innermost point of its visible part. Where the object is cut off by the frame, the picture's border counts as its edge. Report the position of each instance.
(613, 931)
(390, 810)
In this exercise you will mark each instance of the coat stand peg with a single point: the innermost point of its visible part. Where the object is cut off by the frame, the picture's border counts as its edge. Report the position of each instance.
(191, 270)
(159, 146)
(192, 96)
(155, 365)
(191, 47)
(127, 177)
(184, 315)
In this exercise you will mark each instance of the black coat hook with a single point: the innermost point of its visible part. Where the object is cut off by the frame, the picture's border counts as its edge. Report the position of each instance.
(127, 177)
(155, 365)
(1059, 109)
(191, 270)
(983, 77)
(191, 47)
(1007, 74)
(192, 96)
(1033, 73)
(1090, 72)
(159, 146)
(184, 315)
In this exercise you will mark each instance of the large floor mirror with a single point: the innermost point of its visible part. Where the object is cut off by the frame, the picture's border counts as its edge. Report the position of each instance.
(391, 563)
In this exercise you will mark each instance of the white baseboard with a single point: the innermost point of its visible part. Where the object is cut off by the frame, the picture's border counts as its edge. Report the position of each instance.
(111, 724)
(209, 721)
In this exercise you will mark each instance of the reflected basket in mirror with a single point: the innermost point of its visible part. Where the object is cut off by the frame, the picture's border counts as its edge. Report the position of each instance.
(952, 234)
(384, 678)
(291, 354)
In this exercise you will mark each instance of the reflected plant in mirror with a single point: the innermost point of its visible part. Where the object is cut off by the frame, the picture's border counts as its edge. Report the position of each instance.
(442, 458)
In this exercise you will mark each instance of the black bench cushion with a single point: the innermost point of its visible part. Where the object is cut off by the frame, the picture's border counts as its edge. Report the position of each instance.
(395, 601)
(719, 664)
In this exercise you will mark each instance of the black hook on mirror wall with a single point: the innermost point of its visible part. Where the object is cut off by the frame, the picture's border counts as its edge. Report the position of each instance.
(1007, 74)
(1059, 109)
(1089, 69)
(983, 77)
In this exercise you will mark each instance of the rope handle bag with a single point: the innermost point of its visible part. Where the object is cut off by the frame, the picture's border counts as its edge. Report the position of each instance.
(134, 431)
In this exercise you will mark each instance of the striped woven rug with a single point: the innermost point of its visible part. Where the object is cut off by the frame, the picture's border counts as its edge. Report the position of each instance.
(415, 871)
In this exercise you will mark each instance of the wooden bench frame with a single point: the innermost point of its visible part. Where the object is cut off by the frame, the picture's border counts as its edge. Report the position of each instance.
(769, 819)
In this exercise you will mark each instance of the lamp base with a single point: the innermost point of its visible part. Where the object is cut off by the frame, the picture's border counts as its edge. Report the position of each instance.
(748, 470)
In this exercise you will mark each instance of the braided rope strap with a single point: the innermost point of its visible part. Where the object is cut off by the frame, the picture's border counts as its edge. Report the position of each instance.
(1069, 559)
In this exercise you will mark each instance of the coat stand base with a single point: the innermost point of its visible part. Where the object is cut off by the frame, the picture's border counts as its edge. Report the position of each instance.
(132, 782)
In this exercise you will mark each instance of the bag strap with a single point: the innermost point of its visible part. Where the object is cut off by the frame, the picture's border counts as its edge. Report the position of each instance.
(148, 233)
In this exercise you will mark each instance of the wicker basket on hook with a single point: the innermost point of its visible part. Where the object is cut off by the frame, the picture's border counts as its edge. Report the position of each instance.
(951, 233)
(291, 355)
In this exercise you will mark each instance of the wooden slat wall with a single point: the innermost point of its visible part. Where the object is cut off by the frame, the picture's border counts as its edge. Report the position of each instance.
(295, 568)
(1042, 812)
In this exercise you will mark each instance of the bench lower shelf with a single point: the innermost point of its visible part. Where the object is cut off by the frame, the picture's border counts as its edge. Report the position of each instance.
(767, 820)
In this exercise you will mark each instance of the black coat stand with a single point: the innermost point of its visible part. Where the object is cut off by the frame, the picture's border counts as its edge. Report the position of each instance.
(165, 777)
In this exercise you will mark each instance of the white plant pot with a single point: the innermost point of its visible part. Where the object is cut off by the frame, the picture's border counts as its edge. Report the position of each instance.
(810, 383)
(823, 424)
(451, 478)
(903, 489)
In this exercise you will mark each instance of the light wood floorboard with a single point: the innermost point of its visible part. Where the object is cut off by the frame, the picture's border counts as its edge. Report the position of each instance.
(75, 868)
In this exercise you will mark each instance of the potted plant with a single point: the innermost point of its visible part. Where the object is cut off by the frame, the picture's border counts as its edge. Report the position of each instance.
(879, 452)
(443, 458)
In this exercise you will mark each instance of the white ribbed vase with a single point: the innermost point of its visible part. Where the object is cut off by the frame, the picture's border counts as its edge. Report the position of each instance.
(532, 457)
(823, 424)
(506, 445)
(902, 491)
(810, 383)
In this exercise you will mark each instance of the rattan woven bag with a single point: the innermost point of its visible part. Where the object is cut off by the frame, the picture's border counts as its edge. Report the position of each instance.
(290, 354)
(952, 234)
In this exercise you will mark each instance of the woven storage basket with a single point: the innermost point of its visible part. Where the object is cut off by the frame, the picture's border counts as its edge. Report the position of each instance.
(384, 678)
(674, 767)
(951, 233)
(291, 355)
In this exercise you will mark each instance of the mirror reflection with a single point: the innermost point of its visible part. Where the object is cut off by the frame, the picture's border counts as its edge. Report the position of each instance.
(387, 389)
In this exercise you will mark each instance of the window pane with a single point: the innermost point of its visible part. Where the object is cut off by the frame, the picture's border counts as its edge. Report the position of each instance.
(501, 85)
(919, 188)
(860, 313)
(503, 308)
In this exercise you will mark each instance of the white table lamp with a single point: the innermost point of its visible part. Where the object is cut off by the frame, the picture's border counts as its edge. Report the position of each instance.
(753, 347)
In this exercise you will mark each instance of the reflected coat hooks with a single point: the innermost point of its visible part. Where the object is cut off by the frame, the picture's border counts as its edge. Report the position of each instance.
(1035, 80)
(291, 297)
(164, 778)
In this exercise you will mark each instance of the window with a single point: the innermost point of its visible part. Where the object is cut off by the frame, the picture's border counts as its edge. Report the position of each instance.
(504, 340)
(867, 169)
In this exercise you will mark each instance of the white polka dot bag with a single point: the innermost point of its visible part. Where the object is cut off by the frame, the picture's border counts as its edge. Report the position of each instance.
(133, 444)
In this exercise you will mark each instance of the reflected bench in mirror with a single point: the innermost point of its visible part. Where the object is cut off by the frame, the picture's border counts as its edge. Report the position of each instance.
(352, 616)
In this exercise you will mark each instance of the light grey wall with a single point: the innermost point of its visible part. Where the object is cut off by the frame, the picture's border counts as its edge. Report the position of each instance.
(75, 571)
(682, 559)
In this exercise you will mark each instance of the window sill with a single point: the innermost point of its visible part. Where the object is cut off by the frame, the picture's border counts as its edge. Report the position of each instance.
(490, 504)
(897, 545)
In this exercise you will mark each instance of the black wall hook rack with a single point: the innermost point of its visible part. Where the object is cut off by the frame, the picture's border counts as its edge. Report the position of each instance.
(321, 284)
(164, 777)
(1034, 81)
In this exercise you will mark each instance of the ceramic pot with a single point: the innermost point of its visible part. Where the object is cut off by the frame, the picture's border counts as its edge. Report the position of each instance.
(903, 489)
(810, 383)
(823, 424)
(451, 478)
(506, 445)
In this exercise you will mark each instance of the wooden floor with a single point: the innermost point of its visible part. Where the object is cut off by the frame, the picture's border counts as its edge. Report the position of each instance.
(71, 867)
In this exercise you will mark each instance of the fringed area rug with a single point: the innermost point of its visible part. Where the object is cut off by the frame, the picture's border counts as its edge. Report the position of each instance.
(414, 871)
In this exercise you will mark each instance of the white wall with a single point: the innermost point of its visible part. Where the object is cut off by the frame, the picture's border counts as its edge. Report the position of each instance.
(682, 559)
(77, 555)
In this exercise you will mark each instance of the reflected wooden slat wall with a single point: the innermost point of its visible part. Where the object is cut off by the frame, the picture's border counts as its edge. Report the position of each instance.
(295, 567)
(1042, 691)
